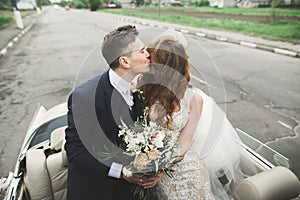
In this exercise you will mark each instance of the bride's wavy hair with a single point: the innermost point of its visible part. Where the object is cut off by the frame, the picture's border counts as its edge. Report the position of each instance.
(169, 80)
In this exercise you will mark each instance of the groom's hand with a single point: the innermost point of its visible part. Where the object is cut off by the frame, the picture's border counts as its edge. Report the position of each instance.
(142, 180)
(133, 179)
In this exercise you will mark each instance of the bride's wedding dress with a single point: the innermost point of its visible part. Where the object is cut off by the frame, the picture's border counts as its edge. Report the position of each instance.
(213, 156)
(190, 179)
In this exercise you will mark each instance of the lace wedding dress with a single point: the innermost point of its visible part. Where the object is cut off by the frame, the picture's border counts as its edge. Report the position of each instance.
(211, 167)
(191, 179)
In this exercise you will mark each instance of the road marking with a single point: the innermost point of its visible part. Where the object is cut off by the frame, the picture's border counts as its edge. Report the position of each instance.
(248, 44)
(10, 45)
(284, 125)
(184, 31)
(202, 81)
(201, 34)
(221, 39)
(3, 52)
(16, 39)
(285, 52)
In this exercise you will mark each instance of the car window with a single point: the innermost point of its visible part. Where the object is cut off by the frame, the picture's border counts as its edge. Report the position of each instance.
(265, 151)
(44, 131)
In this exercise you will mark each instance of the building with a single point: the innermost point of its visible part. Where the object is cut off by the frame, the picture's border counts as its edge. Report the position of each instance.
(26, 4)
(222, 3)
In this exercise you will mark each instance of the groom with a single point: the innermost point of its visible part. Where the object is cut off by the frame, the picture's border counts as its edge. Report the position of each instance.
(95, 111)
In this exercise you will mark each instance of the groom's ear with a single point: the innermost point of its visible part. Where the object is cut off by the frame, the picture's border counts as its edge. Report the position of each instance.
(123, 60)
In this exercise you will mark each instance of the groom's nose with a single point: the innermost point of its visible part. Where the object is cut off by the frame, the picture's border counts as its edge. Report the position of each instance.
(147, 54)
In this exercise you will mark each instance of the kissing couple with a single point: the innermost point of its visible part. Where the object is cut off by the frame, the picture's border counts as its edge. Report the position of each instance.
(156, 79)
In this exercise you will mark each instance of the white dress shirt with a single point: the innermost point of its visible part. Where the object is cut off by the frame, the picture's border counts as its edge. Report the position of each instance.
(123, 87)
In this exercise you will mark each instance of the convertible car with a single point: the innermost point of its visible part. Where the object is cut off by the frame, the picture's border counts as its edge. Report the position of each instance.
(41, 169)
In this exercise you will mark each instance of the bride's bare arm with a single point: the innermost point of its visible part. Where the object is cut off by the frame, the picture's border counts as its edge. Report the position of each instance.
(188, 131)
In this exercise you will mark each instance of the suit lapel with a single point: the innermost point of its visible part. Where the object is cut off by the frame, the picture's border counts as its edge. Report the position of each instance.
(107, 88)
(137, 107)
(115, 103)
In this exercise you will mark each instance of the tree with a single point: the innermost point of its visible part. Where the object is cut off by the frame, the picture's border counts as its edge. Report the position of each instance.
(5, 5)
(274, 11)
(14, 4)
(94, 4)
(17, 14)
(106, 2)
(39, 3)
(139, 2)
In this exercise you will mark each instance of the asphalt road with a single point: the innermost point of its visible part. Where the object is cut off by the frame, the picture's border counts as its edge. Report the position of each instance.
(258, 90)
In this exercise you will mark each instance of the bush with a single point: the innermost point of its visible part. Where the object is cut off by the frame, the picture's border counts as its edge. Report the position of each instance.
(147, 3)
(200, 3)
(66, 3)
(79, 4)
(5, 20)
(94, 4)
(296, 33)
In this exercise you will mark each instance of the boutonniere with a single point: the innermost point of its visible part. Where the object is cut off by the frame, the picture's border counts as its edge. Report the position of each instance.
(138, 93)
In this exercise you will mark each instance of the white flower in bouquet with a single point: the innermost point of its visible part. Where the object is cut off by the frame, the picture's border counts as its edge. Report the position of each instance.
(158, 139)
(154, 147)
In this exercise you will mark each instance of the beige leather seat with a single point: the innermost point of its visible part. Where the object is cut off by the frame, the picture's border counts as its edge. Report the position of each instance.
(46, 176)
(278, 183)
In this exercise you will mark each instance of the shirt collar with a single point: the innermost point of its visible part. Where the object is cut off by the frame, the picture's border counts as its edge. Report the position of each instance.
(117, 82)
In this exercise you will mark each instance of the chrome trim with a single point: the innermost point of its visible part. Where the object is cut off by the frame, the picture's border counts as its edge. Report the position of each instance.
(257, 158)
(12, 189)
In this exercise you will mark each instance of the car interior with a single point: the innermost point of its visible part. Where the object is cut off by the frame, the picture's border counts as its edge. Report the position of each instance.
(46, 172)
(47, 169)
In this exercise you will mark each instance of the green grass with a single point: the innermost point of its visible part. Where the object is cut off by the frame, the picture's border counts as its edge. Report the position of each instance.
(235, 11)
(7, 17)
(27, 12)
(287, 30)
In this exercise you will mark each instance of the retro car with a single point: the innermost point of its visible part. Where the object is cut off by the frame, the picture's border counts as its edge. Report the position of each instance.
(41, 169)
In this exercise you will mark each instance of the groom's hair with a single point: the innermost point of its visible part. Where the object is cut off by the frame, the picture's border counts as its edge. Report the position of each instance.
(115, 44)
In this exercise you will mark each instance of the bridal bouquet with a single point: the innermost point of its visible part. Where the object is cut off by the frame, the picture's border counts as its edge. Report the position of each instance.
(154, 148)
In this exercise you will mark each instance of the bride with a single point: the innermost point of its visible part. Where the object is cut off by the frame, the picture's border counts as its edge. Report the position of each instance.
(209, 164)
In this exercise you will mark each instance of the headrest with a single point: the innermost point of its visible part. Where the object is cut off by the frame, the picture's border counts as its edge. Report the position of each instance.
(278, 183)
(57, 137)
(36, 178)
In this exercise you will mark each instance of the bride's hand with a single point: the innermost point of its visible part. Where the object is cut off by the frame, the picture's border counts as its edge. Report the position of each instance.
(151, 182)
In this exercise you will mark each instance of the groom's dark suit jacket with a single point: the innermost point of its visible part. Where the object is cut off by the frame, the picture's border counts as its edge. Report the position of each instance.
(95, 110)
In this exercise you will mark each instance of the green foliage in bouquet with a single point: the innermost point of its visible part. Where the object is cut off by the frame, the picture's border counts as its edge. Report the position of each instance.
(155, 149)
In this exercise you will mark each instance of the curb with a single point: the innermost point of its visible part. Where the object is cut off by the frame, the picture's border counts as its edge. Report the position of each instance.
(12, 42)
(285, 52)
(218, 38)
